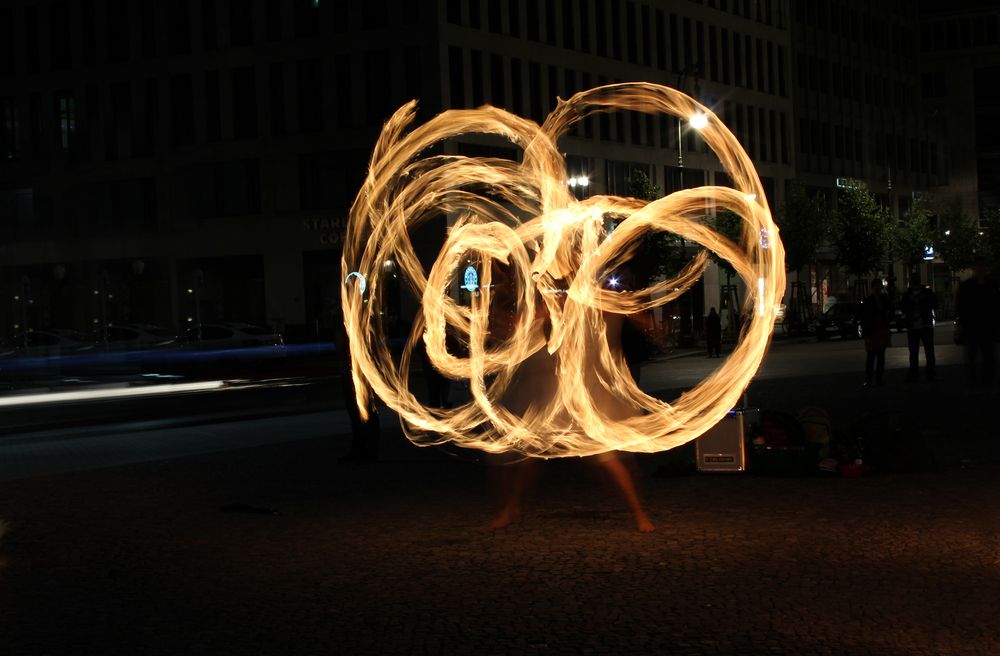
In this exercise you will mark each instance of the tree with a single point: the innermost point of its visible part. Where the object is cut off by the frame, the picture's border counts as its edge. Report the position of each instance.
(958, 239)
(661, 253)
(862, 233)
(989, 238)
(805, 226)
(912, 234)
(730, 225)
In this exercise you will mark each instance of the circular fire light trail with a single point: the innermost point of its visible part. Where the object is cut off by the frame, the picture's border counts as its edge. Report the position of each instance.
(541, 316)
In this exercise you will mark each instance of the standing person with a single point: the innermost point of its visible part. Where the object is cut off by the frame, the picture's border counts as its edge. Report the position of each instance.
(978, 299)
(919, 304)
(365, 434)
(875, 314)
(713, 333)
(634, 346)
(438, 385)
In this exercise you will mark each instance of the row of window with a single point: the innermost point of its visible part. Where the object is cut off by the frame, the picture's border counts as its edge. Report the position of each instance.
(504, 16)
(868, 28)
(223, 103)
(636, 34)
(531, 88)
(852, 83)
(895, 151)
(765, 11)
(89, 32)
(108, 207)
(327, 180)
(964, 32)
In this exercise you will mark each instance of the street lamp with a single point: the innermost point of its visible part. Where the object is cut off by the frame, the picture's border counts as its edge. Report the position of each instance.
(695, 71)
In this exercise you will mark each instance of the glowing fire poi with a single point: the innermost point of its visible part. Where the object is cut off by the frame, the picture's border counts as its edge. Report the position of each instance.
(547, 384)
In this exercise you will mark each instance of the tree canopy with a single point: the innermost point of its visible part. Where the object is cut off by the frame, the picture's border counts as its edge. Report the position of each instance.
(958, 240)
(805, 226)
(912, 233)
(862, 233)
(989, 240)
(661, 253)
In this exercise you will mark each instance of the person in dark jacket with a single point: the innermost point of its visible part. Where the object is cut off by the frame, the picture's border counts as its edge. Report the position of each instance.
(978, 300)
(364, 434)
(919, 304)
(875, 314)
(713, 333)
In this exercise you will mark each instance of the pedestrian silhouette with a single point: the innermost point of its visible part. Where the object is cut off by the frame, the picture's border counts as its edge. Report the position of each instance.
(875, 313)
(713, 333)
(364, 434)
(438, 385)
(978, 300)
(919, 304)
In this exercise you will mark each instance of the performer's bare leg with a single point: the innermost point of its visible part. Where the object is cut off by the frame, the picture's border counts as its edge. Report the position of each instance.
(623, 479)
(511, 482)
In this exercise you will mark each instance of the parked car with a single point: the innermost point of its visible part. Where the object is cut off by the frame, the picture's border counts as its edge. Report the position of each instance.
(52, 342)
(842, 319)
(229, 348)
(898, 321)
(136, 336)
(231, 335)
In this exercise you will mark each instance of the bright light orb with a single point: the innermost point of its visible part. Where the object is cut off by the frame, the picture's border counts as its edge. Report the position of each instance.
(540, 337)
(698, 121)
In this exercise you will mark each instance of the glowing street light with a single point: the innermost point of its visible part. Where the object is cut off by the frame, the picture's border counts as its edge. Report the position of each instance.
(698, 121)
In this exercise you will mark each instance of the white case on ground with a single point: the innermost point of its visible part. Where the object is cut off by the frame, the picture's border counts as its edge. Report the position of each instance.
(722, 448)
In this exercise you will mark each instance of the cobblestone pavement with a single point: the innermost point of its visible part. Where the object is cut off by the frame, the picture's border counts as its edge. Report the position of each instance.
(395, 557)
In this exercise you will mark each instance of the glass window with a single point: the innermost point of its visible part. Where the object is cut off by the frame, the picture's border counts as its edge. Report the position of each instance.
(181, 110)
(210, 23)
(374, 14)
(66, 117)
(456, 77)
(213, 116)
(274, 16)
(376, 91)
(240, 23)
(8, 129)
(244, 102)
(276, 90)
(497, 95)
(178, 28)
(310, 92)
(59, 34)
(118, 30)
(342, 73)
(306, 18)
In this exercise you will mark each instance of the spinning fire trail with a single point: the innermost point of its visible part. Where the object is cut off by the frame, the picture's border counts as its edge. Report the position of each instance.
(546, 375)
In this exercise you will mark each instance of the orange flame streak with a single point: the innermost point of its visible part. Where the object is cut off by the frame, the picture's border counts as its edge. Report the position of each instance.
(568, 392)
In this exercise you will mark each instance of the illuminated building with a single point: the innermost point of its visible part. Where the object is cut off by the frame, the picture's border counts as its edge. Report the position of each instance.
(214, 145)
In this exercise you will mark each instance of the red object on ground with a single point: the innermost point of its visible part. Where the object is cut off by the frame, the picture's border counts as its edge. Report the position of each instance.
(851, 470)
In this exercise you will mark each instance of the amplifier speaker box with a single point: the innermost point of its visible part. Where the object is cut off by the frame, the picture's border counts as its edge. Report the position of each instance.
(723, 447)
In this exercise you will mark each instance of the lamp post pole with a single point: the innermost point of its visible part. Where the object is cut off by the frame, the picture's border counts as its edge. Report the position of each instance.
(680, 140)
(687, 324)
(683, 73)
